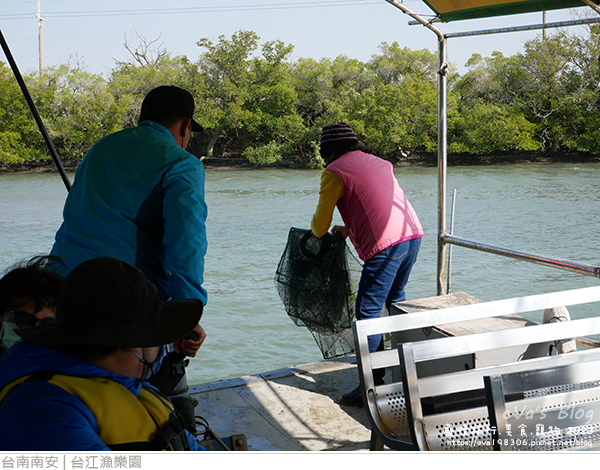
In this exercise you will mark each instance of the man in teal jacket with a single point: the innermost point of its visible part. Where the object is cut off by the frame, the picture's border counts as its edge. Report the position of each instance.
(138, 196)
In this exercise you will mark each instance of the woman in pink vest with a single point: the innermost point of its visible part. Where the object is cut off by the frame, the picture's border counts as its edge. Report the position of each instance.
(379, 220)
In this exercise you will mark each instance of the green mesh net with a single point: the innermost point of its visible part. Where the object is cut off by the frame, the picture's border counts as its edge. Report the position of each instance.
(317, 281)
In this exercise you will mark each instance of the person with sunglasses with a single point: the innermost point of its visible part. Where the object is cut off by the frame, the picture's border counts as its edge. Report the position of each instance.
(81, 383)
(28, 293)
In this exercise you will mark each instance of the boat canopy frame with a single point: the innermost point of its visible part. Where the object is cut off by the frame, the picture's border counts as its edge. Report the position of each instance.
(445, 239)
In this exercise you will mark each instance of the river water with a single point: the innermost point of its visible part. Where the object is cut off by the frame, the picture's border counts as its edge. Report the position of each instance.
(548, 209)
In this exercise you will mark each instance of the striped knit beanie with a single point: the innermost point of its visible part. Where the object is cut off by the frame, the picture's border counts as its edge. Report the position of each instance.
(337, 133)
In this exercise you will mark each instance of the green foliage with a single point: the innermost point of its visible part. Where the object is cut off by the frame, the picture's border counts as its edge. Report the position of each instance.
(78, 108)
(12, 149)
(248, 97)
(547, 83)
(313, 82)
(395, 115)
(268, 153)
(487, 80)
(19, 137)
(130, 82)
(394, 64)
(253, 100)
(487, 127)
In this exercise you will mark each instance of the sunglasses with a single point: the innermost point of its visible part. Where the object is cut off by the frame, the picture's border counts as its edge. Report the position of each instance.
(26, 319)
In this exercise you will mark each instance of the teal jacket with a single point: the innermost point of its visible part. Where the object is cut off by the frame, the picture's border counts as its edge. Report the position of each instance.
(139, 197)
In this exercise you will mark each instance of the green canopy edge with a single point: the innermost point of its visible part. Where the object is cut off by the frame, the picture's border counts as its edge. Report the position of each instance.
(526, 6)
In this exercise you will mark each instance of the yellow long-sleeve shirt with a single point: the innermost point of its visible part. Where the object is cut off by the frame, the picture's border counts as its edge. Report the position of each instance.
(332, 189)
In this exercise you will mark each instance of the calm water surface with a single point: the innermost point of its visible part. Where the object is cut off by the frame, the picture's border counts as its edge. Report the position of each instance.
(551, 210)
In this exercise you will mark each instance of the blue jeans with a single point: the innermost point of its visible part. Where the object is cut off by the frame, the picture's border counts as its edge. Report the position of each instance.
(382, 282)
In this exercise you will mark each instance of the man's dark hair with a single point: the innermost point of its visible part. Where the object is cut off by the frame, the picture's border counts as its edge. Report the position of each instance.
(168, 105)
(30, 281)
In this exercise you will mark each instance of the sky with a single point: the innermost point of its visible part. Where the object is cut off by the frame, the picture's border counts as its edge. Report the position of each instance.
(93, 32)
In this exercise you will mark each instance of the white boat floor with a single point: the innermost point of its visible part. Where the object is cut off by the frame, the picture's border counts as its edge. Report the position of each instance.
(293, 409)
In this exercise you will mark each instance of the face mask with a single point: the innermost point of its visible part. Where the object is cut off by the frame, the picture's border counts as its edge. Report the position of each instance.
(9, 337)
(151, 368)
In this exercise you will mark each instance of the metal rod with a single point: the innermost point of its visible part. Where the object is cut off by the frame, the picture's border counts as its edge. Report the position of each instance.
(587, 343)
(523, 28)
(592, 5)
(448, 290)
(417, 17)
(36, 115)
(442, 162)
(580, 268)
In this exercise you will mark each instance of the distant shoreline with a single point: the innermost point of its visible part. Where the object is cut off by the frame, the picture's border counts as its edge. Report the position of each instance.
(416, 159)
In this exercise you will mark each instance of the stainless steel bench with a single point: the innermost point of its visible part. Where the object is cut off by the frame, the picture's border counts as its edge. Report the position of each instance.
(555, 408)
(395, 416)
(449, 411)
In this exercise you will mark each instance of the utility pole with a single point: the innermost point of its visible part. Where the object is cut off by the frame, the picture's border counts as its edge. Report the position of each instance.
(544, 20)
(41, 20)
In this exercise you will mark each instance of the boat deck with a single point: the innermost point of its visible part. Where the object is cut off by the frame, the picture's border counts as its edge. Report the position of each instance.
(296, 409)
(291, 409)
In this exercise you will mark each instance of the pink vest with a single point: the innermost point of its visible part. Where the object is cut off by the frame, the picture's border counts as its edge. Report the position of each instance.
(373, 206)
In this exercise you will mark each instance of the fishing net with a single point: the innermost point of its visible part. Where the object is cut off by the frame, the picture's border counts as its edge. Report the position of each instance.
(317, 281)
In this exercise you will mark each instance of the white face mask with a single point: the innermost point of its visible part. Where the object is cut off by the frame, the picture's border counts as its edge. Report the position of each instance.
(151, 368)
(9, 337)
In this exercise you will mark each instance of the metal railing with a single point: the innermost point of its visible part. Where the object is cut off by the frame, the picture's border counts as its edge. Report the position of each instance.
(445, 239)
(580, 268)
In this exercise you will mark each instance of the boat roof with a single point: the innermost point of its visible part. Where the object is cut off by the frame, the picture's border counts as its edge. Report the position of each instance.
(453, 10)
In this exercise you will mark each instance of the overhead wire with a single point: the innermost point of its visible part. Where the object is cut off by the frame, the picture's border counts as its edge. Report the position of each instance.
(198, 9)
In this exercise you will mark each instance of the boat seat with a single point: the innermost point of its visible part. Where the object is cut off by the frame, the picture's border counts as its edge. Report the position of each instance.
(556, 408)
(449, 411)
(391, 409)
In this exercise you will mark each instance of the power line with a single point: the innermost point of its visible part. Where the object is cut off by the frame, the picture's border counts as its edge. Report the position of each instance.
(205, 9)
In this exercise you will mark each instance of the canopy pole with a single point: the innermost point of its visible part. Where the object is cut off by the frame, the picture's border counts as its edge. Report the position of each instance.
(36, 115)
(592, 5)
(442, 164)
(420, 19)
(442, 143)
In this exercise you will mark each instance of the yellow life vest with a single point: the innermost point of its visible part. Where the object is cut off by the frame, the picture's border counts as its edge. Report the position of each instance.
(125, 422)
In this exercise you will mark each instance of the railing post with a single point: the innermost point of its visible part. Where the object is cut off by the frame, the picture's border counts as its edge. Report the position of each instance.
(442, 164)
